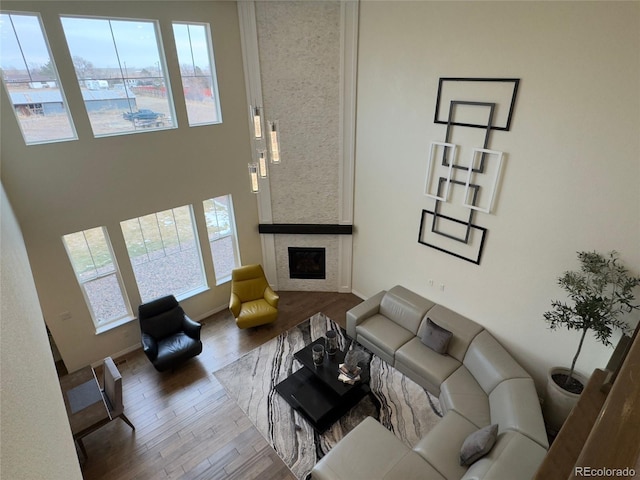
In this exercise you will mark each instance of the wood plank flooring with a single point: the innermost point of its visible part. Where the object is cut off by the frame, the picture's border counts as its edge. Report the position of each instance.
(186, 425)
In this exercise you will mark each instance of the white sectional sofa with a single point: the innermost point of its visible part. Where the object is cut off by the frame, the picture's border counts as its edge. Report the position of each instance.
(477, 382)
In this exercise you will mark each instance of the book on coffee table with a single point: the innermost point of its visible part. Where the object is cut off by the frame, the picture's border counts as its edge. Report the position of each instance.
(347, 376)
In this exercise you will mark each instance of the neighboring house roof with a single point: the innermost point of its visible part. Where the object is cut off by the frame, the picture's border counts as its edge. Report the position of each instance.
(53, 96)
(35, 96)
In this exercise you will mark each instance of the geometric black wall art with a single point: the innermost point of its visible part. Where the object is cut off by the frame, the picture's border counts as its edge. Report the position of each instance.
(471, 250)
(501, 91)
(462, 171)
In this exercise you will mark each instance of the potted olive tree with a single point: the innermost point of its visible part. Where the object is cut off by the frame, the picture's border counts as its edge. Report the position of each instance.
(600, 293)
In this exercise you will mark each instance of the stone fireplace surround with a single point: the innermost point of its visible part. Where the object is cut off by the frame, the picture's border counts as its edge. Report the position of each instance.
(318, 150)
(329, 237)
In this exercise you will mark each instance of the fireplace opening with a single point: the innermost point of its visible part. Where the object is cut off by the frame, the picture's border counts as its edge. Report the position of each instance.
(307, 263)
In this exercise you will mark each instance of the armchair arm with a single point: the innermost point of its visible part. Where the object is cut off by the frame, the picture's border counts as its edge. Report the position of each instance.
(271, 297)
(361, 312)
(149, 346)
(235, 305)
(191, 327)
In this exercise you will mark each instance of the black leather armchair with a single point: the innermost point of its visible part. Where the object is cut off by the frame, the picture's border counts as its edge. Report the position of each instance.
(169, 336)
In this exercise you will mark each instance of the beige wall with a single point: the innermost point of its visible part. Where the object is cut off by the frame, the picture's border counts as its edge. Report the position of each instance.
(33, 414)
(71, 186)
(570, 180)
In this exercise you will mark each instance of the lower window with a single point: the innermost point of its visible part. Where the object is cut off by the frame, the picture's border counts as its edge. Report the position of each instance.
(221, 229)
(98, 275)
(164, 253)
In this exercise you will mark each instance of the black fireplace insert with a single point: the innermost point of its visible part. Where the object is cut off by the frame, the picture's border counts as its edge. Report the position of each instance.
(307, 263)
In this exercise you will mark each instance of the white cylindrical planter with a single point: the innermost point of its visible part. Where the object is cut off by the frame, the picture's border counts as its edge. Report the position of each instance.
(558, 403)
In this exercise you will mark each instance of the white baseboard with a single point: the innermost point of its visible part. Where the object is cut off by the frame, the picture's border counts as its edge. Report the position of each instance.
(119, 354)
(358, 294)
(201, 317)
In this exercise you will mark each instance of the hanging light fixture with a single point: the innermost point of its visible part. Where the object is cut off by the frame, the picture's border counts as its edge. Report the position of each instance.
(253, 177)
(256, 116)
(274, 142)
(262, 163)
(259, 170)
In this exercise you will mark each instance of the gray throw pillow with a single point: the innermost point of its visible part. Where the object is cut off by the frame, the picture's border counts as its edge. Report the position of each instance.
(478, 444)
(436, 338)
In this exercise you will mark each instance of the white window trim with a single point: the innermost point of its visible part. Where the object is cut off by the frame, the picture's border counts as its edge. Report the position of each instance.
(188, 293)
(74, 133)
(105, 325)
(234, 242)
(115, 324)
(214, 73)
(163, 63)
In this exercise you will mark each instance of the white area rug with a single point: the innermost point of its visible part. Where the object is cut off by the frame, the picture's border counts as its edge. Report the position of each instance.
(401, 405)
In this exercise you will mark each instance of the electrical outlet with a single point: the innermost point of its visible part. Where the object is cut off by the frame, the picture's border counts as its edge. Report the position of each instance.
(442, 287)
(431, 282)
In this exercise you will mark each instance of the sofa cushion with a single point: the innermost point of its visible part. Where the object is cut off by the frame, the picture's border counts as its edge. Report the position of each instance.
(490, 363)
(514, 456)
(372, 451)
(478, 444)
(382, 336)
(463, 329)
(441, 446)
(461, 392)
(405, 307)
(514, 405)
(424, 366)
(436, 338)
(363, 311)
(411, 467)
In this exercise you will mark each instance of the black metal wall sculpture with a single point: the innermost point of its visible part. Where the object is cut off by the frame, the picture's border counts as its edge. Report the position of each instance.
(450, 226)
(506, 86)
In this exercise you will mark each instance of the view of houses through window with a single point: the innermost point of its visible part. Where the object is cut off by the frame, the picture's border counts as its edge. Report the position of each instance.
(121, 72)
(31, 80)
(197, 71)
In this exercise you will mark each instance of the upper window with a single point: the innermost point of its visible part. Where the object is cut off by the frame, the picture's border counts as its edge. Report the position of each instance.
(121, 71)
(221, 227)
(164, 253)
(198, 72)
(31, 80)
(98, 275)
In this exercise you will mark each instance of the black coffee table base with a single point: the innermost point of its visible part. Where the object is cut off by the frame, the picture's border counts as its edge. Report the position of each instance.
(316, 393)
(315, 402)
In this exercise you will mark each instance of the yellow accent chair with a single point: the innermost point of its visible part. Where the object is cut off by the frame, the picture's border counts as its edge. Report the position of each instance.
(253, 302)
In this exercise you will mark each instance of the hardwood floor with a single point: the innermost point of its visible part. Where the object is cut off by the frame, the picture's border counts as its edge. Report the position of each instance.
(186, 425)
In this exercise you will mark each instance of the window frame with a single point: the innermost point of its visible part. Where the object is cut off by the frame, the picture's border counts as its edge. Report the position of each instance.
(54, 68)
(233, 233)
(104, 325)
(204, 286)
(213, 74)
(162, 63)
